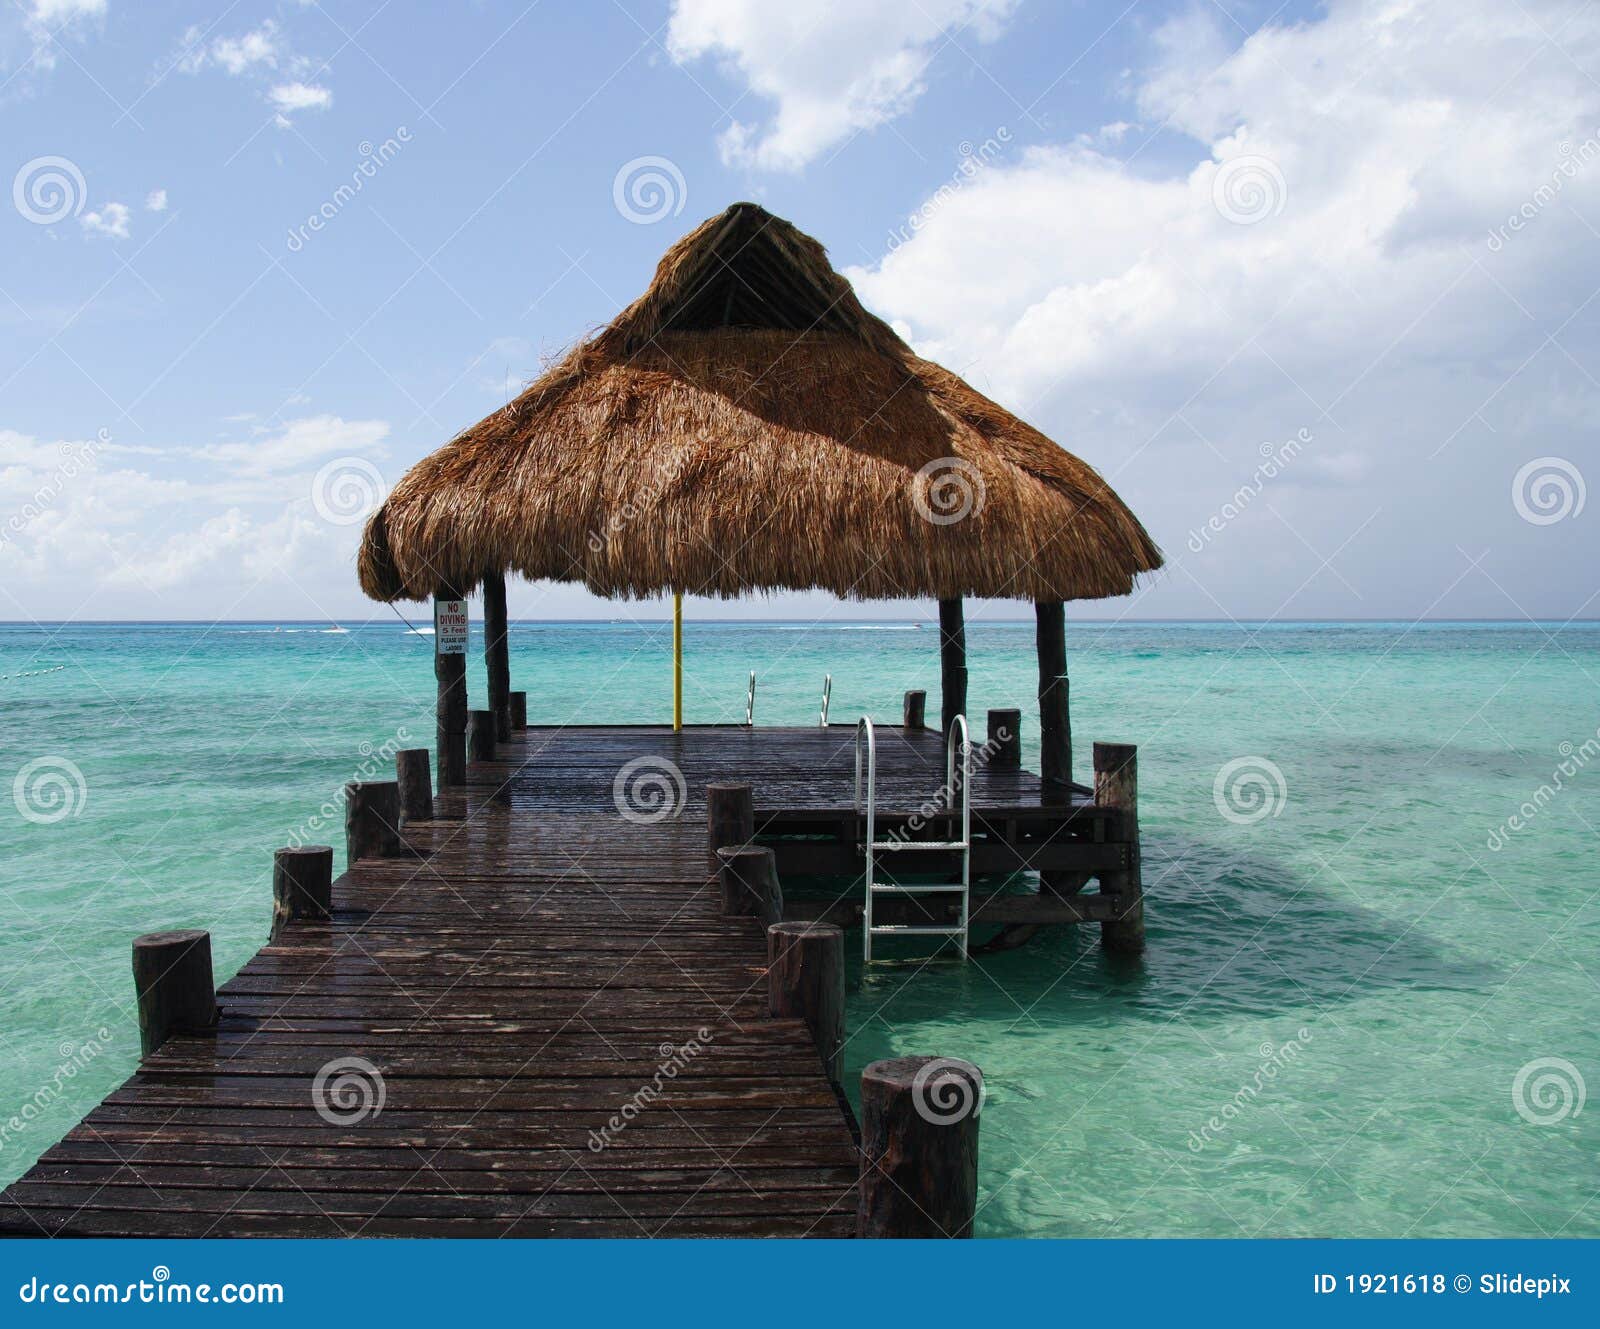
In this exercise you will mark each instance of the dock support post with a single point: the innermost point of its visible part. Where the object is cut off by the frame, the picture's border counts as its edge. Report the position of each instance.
(749, 879)
(1116, 785)
(172, 979)
(519, 710)
(952, 662)
(302, 885)
(1005, 740)
(497, 652)
(371, 819)
(805, 980)
(730, 820)
(450, 711)
(1055, 722)
(416, 785)
(915, 714)
(919, 1147)
(480, 735)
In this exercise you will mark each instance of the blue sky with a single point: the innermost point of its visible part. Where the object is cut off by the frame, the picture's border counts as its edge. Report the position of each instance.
(1256, 263)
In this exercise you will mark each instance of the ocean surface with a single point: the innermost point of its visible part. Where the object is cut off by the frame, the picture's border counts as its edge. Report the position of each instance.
(1371, 1000)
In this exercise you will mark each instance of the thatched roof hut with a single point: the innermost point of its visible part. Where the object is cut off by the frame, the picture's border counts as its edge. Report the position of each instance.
(746, 425)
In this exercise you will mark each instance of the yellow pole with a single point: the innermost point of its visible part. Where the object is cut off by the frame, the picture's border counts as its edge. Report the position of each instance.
(677, 660)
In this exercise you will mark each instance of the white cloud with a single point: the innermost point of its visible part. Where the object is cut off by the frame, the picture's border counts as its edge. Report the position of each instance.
(111, 219)
(833, 67)
(261, 47)
(287, 98)
(298, 443)
(156, 201)
(1120, 306)
(65, 11)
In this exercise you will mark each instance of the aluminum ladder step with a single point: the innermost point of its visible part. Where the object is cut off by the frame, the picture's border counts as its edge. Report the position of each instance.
(931, 846)
(919, 930)
(879, 888)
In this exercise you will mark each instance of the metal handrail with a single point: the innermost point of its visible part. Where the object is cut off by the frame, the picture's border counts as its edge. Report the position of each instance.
(827, 691)
(750, 701)
(864, 729)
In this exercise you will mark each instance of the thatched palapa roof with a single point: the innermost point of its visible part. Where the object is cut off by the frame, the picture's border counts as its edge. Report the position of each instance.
(747, 425)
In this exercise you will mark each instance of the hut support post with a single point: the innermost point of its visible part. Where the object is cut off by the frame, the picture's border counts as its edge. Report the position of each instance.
(1116, 785)
(450, 711)
(952, 661)
(497, 652)
(677, 660)
(1055, 724)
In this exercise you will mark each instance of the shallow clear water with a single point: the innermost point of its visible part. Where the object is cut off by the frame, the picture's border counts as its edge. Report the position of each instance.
(1414, 969)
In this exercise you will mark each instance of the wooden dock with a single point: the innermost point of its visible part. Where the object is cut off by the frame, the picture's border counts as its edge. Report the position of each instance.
(533, 1020)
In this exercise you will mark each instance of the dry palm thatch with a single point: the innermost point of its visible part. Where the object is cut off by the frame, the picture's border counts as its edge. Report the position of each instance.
(747, 425)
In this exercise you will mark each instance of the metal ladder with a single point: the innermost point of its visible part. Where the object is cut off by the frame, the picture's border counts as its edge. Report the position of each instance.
(866, 742)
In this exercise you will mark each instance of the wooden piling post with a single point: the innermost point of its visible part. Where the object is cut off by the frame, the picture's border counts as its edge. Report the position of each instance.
(1055, 721)
(1116, 785)
(1005, 740)
(519, 710)
(497, 652)
(805, 980)
(919, 1147)
(952, 662)
(450, 712)
(730, 819)
(915, 713)
(172, 979)
(371, 819)
(749, 880)
(416, 785)
(302, 885)
(480, 735)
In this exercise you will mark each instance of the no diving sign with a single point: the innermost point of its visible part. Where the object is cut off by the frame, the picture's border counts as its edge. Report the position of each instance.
(450, 627)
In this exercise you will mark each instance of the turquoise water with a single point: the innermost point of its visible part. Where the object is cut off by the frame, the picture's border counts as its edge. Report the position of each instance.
(1349, 984)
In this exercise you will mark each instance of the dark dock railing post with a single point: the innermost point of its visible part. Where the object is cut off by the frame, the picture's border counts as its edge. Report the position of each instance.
(1116, 785)
(302, 885)
(519, 710)
(1055, 721)
(952, 662)
(805, 980)
(415, 784)
(497, 652)
(480, 735)
(915, 714)
(919, 1147)
(750, 889)
(172, 979)
(730, 819)
(371, 819)
(451, 708)
(1005, 740)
